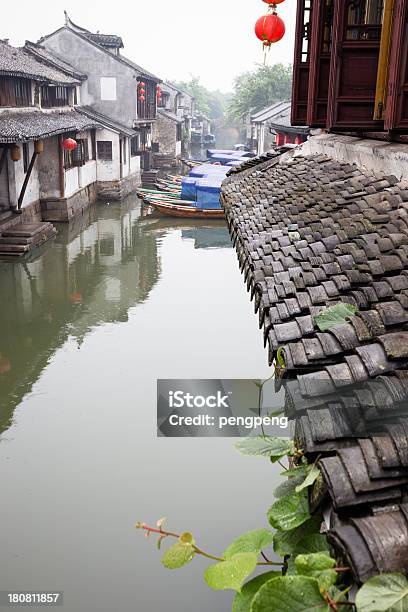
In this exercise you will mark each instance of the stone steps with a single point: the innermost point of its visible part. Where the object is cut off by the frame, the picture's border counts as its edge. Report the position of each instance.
(21, 238)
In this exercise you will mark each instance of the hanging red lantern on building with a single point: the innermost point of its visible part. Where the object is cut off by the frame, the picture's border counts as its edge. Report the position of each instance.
(142, 84)
(142, 92)
(274, 1)
(142, 98)
(69, 144)
(270, 29)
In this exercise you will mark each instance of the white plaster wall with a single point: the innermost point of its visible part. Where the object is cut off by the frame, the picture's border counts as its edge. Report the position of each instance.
(32, 193)
(48, 169)
(108, 170)
(178, 147)
(71, 182)
(87, 173)
(134, 164)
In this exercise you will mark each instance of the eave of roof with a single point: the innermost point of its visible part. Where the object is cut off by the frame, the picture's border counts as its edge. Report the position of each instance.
(21, 63)
(270, 111)
(105, 121)
(35, 124)
(169, 115)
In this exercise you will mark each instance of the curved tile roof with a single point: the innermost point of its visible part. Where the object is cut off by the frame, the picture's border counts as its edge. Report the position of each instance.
(310, 233)
(21, 63)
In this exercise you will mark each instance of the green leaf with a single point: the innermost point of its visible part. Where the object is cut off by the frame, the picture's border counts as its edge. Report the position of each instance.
(231, 574)
(303, 539)
(289, 594)
(290, 484)
(319, 566)
(312, 476)
(384, 593)
(253, 541)
(178, 555)
(242, 601)
(290, 511)
(264, 446)
(334, 315)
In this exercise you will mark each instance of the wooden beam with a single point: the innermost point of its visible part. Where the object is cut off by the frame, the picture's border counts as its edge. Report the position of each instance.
(61, 172)
(26, 180)
(383, 61)
(3, 158)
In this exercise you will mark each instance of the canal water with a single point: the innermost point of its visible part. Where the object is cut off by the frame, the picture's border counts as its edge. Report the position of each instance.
(86, 327)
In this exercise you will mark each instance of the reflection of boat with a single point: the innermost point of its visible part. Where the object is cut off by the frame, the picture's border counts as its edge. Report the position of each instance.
(181, 210)
(212, 235)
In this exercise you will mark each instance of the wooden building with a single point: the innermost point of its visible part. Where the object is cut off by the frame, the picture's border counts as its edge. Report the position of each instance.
(350, 67)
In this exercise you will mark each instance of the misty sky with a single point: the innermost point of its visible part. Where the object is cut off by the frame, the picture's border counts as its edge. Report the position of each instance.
(213, 39)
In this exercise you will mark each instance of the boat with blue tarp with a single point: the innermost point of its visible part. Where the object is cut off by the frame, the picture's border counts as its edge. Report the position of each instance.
(198, 194)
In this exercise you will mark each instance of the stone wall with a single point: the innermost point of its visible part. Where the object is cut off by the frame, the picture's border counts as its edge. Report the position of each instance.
(116, 190)
(65, 209)
(375, 156)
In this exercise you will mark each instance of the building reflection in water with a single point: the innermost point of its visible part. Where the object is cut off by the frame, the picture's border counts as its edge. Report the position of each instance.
(97, 268)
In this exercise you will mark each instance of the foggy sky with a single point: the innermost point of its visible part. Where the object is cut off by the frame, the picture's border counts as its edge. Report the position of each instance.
(213, 39)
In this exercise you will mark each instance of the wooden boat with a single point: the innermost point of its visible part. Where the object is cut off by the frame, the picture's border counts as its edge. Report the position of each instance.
(170, 209)
(190, 163)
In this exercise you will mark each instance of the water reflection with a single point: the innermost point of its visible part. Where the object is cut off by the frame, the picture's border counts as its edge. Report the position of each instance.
(206, 235)
(98, 267)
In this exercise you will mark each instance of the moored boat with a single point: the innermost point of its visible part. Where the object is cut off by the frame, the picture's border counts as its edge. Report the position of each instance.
(189, 212)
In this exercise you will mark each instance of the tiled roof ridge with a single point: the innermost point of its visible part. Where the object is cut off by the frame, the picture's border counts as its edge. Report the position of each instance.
(311, 232)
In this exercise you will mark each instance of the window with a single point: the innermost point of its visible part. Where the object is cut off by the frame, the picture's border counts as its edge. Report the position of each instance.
(26, 156)
(146, 109)
(108, 88)
(54, 96)
(364, 19)
(15, 92)
(306, 31)
(104, 148)
(163, 102)
(79, 156)
(134, 146)
(179, 132)
(124, 158)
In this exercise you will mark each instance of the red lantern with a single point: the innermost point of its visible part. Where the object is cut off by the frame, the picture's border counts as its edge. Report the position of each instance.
(270, 29)
(274, 1)
(142, 84)
(142, 98)
(69, 144)
(142, 92)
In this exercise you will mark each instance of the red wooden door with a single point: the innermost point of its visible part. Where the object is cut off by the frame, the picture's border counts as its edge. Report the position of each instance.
(300, 86)
(354, 64)
(320, 53)
(396, 111)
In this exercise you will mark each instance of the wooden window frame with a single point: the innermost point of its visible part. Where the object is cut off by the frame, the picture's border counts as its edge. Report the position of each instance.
(54, 97)
(15, 92)
(301, 63)
(107, 154)
(345, 112)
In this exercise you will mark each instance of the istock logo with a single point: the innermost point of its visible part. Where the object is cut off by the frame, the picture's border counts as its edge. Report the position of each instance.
(179, 399)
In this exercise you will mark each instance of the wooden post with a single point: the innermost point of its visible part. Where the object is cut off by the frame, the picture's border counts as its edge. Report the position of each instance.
(383, 62)
(3, 159)
(61, 166)
(27, 178)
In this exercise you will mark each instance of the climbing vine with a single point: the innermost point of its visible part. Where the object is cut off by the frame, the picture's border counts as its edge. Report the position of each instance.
(306, 577)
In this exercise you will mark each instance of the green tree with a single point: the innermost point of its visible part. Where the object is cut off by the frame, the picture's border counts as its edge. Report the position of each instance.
(256, 89)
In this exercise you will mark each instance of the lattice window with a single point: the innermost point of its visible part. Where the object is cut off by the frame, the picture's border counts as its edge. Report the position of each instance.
(104, 148)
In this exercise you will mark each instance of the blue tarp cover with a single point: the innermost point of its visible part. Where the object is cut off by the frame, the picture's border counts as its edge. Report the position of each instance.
(188, 188)
(206, 169)
(208, 192)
